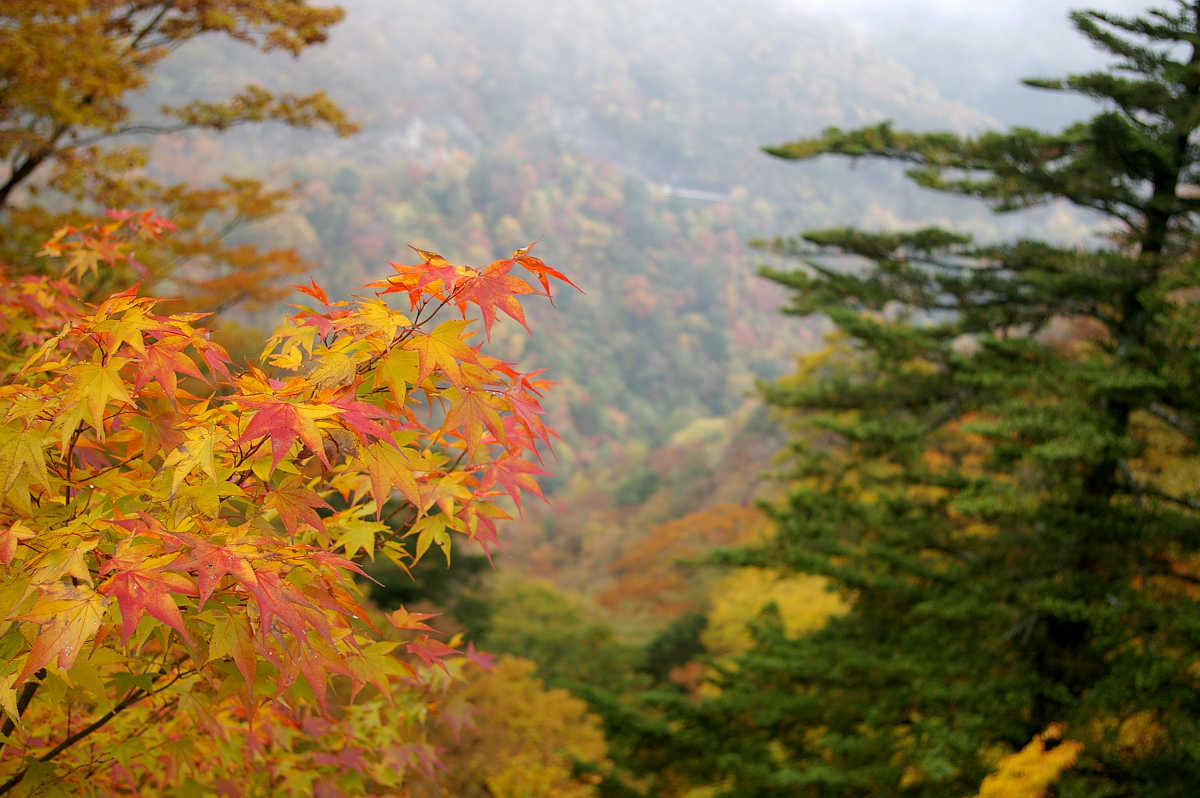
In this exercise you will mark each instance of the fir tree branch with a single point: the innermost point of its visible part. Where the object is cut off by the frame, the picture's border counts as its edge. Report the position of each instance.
(1181, 501)
(1164, 413)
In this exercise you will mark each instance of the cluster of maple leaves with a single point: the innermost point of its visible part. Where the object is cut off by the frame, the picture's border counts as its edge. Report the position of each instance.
(180, 536)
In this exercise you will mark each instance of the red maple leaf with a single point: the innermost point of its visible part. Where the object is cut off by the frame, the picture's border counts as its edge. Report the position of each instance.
(163, 362)
(480, 658)
(494, 289)
(430, 651)
(284, 423)
(295, 503)
(544, 273)
(361, 417)
(141, 592)
(514, 475)
(313, 290)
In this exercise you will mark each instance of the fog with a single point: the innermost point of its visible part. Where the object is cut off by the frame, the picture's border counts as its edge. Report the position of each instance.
(976, 52)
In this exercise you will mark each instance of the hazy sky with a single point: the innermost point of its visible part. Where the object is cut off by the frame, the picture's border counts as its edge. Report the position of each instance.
(977, 50)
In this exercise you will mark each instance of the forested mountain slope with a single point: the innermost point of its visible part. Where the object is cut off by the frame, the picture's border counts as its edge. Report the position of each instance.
(625, 137)
(486, 126)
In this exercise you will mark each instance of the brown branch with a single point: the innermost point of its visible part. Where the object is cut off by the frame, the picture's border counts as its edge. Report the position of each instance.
(27, 693)
(31, 162)
(1165, 414)
(149, 27)
(129, 700)
(1181, 501)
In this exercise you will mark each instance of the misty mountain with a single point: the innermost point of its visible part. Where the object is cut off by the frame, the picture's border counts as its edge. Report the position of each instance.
(625, 136)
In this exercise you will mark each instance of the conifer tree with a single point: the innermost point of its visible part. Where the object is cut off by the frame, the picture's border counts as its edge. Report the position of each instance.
(1000, 471)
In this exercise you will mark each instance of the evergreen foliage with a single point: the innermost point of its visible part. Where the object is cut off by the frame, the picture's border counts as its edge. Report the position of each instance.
(995, 474)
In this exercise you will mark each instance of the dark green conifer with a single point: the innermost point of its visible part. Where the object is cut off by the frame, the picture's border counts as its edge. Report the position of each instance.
(999, 471)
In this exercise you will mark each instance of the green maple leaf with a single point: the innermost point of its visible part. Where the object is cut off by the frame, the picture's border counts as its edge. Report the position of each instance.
(22, 463)
(358, 534)
(93, 386)
(444, 349)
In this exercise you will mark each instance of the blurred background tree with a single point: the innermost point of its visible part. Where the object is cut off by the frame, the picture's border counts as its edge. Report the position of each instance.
(981, 475)
(74, 128)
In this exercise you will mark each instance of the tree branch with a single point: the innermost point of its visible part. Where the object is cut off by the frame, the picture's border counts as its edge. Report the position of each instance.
(31, 163)
(27, 693)
(1172, 419)
(149, 27)
(132, 698)
(1182, 501)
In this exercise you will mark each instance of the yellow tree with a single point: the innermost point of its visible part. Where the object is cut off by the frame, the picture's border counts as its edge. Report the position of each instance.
(70, 70)
(519, 740)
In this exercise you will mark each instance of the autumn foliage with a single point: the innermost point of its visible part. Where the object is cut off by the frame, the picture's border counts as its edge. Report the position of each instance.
(75, 127)
(180, 536)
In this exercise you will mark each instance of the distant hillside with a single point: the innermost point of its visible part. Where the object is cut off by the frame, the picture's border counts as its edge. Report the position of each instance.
(622, 134)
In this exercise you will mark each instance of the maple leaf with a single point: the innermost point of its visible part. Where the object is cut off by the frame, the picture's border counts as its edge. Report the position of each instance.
(212, 563)
(527, 410)
(93, 386)
(430, 651)
(122, 321)
(373, 317)
(471, 411)
(160, 431)
(390, 468)
(215, 357)
(330, 560)
(539, 268)
(146, 590)
(197, 450)
(514, 475)
(163, 362)
(10, 537)
(430, 530)
(447, 489)
(483, 532)
(68, 616)
(277, 599)
(82, 262)
(337, 364)
(403, 619)
(284, 422)
(358, 534)
(295, 503)
(494, 289)
(398, 370)
(436, 270)
(362, 418)
(316, 662)
(444, 349)
(231, 636)
(435, 277)
(313, 290)
(22, 464)
(480, 658)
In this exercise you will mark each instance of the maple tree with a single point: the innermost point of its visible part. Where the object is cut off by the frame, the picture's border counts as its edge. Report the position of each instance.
(518, 739)
(73, 132)
(181, 537)
(654, 575)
